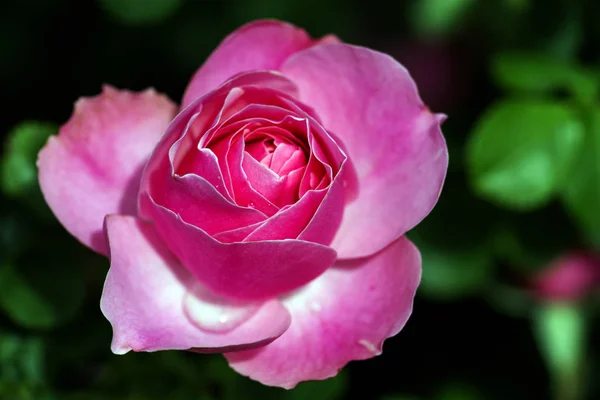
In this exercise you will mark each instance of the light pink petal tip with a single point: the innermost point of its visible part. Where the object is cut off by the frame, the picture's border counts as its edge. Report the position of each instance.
(393, 140)
(344, 315)
(151, 303)
(258, 45)
(93, 167)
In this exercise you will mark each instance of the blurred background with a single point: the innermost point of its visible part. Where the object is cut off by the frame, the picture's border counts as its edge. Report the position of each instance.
(508, 306)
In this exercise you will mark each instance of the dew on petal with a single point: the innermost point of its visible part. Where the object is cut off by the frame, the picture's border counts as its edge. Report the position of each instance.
(214, 313)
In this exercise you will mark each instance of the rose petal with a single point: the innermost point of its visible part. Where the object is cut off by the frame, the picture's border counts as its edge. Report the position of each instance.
(250, 271)
(213, 210)
(344, 315)
(93, 167)
(394, 142)
(144, 296)
(245, 194)
(265, 181)
(314, 218)
(198, 201)
(257, 45)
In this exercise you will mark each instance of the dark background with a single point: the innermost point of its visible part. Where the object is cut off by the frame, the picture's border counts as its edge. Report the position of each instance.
(477, 331)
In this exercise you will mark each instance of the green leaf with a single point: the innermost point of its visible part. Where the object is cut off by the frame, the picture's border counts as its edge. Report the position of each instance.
(450, 275)
(17, 168)
(140, 12)
(22, 359)
(37, 293)
(540, 74)
(581, 194)
(437, 18)
(521, 151)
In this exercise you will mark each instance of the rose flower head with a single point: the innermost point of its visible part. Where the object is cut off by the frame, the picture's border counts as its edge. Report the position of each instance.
(264, 217)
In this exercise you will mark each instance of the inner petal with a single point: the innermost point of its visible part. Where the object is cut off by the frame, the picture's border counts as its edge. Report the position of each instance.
(285, 153)
(268, 159)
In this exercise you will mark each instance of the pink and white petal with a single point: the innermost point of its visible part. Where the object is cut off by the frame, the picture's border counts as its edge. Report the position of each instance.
(247, 271)
(144, 296)
(393, 140)
(344, 315)
(259, 45)
(93, 167)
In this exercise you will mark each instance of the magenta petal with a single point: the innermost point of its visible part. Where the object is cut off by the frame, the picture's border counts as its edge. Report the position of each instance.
(197, 200)
(144, 297)
(250, 271)
(393, 140)
(344, 315)
(263, 180)
(314, 218)
(93, 167)
(258, 45)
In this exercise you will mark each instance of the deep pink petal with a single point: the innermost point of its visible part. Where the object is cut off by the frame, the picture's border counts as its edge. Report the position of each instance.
(213, 210)
(295, 161)
(264, 181)
(260, 45)
(316, 218)
(93, 167)
(283, 153)
(250, 271)
(344, 315)
(326, 220)
(245, 194)
(393, 140)
(197, 200)
(145, 293)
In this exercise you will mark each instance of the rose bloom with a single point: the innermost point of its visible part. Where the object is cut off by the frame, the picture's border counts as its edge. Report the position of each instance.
(568, 278)
(264, 217)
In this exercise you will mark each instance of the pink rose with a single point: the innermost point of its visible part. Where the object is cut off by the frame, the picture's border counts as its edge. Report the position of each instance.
(570, 277)
(264, 220)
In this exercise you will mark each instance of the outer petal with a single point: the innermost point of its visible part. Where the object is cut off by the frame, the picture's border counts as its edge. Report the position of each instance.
(344, 315)
(249, 271)
(144, 293)
(257, 45)
(93, 167)
(394, 142)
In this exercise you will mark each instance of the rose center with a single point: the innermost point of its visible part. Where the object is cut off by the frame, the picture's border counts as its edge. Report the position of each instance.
(278, 155)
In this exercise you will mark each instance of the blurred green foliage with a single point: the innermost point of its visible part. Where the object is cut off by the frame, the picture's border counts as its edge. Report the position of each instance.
(522, 188)
(522, 151)
(139, 12)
